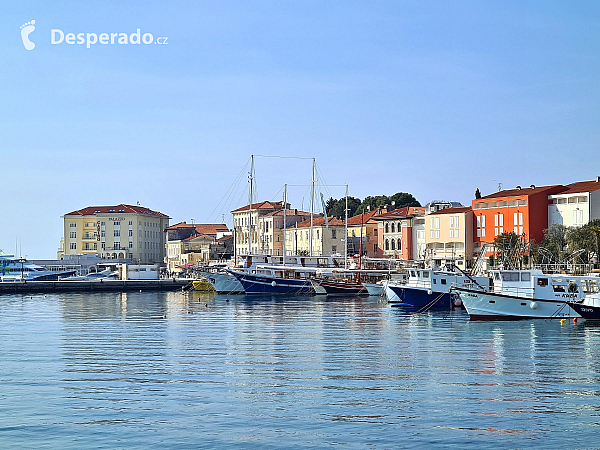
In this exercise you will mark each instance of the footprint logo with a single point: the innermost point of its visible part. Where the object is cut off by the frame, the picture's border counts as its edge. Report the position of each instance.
(26, 30)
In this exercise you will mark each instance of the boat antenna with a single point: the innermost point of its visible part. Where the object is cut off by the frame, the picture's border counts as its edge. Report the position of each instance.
(312, 205)
(284, 218)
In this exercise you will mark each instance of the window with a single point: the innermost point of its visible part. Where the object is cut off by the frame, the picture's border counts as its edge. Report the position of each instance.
(73, 235)
(130, 244)
(333, 234)
(393, 244)
(542, 282)
(558, 288)
(510, 276)
(393, 227)
(525, 276)
(73, 246)
(73, 225)
(334, 249)
(387, 244)
(387, 228)
(116, 233)
(130, 232)
(130, 223)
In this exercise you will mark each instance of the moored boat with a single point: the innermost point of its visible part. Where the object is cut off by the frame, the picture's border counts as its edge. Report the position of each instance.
(524, 294)
(428, 288)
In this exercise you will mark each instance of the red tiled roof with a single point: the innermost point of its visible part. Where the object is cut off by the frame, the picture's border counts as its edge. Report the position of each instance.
(118, 209)
(524, 191)
(582, 186)
(406, 211)
(289, 212)
(261, 205)
(201, 228)
(196, 236)
(456, 209)
(319, 222)
(362, 218)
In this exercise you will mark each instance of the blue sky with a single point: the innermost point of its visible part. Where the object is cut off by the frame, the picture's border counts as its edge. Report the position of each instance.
(435, 98)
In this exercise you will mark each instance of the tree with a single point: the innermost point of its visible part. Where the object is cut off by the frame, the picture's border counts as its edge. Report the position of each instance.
(554, 245)
(582, 242)
(511, 250)
(336, 207)
(477, 193)
(400, 200)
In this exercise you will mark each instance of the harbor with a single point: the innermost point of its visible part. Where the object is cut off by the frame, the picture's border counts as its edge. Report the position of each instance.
(24, 287)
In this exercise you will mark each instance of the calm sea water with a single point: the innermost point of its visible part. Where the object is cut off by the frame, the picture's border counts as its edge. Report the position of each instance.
(176, 370)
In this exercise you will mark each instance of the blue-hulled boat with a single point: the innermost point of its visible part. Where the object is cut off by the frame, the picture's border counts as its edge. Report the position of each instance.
(428, 288)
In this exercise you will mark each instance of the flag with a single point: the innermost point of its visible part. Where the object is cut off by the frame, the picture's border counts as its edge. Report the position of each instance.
(324, 211)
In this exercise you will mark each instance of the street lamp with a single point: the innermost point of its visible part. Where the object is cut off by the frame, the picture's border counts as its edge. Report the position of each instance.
(22, 260)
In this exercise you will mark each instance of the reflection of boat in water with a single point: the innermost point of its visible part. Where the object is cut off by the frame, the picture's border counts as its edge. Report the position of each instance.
(428, 288)
(19, 269)
(528, 294)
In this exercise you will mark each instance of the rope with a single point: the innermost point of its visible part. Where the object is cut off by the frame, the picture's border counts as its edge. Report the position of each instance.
(428, 306)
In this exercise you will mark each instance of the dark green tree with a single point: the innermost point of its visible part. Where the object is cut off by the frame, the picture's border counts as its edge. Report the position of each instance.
(582, 243)
(553, 249)
(477, 193)
(336, 207)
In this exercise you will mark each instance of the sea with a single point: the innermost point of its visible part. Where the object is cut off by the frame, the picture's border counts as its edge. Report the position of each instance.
(187, 370)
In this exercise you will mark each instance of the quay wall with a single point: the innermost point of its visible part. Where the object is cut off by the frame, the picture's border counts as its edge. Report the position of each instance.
(93, 286)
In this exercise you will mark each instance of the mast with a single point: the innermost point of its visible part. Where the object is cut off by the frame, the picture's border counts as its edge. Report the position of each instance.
(361, 241)
(346, 232)
(284, 218)
(312, 205)
(251, 194)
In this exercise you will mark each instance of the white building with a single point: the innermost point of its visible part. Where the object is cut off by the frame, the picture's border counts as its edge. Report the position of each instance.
(576, 205)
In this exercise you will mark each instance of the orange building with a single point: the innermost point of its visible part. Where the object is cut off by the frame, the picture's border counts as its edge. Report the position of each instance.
(523, 211)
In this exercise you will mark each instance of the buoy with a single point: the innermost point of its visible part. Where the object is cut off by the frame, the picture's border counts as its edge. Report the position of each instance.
(562, 321)
(429, 292)
(533, 305)
(574, 320)
(206, 305)
(273, 283)
(140, 290)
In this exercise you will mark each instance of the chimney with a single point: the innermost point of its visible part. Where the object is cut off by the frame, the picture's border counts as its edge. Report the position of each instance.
(519, 188)
(532, 186)
(597, 179)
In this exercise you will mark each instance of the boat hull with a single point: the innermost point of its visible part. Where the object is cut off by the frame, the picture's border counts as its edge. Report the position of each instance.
(224, 283)
(420, 297)
(333, 288)
(374, 289)
(493, 306)
(264, 284)
(586, 311)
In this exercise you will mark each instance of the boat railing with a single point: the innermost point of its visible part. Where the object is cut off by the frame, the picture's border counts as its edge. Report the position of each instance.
(516, 291)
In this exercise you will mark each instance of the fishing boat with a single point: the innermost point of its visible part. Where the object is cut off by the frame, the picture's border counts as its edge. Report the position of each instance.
(525, 294)
(588, 306)
(428, 288)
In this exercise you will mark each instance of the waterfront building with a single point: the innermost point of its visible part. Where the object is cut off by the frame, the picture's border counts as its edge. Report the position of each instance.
(364, 225)
(449, 236)
(576, 205)
(523, 211)
(395, 232)
(263, 225)
(437, 205)
(328, 239)
(124, 232)
(190, 244)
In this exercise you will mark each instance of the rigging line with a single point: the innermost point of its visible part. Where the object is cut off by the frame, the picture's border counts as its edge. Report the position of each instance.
(231, 189)
(320, 176)
(284, 157)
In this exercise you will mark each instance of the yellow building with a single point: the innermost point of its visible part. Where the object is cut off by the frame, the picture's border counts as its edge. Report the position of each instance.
(449, 236)
(326, 241)
(123, 231)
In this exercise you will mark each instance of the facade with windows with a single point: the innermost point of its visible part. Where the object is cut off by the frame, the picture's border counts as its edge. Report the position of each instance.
(395, 232)
(576, 205)
(327, 239)
(523, 211)
(189, 244)
(449, 236)
(123, 231)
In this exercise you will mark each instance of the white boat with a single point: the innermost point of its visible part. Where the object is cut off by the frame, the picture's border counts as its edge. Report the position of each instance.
(524, 294)
(374, 289)
(19, 269)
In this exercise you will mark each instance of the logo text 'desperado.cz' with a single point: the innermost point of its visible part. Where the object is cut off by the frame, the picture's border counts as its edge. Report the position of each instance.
(89, 39)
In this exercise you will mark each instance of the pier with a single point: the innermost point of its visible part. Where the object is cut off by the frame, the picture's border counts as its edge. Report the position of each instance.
(25, 287)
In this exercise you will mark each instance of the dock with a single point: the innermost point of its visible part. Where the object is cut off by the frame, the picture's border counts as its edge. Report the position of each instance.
(26, 287)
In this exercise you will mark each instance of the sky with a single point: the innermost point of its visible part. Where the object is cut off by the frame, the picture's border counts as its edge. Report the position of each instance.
(434, 98)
